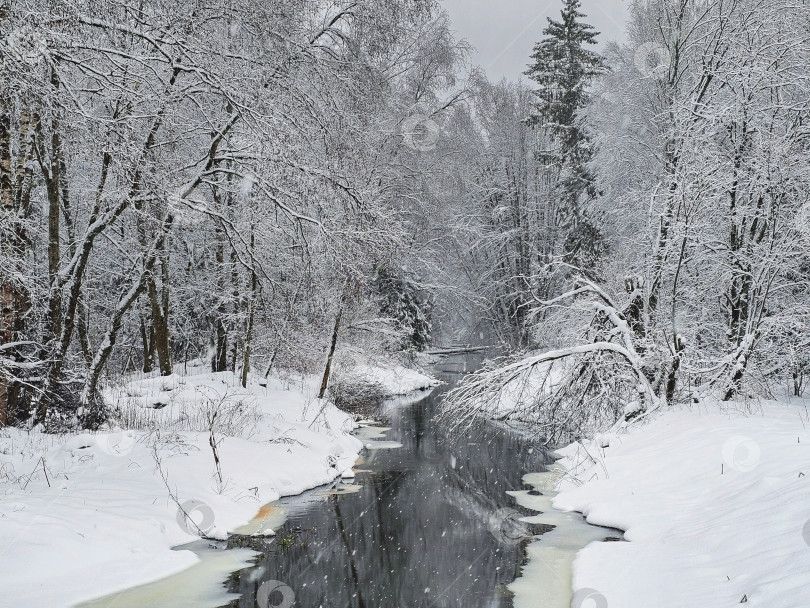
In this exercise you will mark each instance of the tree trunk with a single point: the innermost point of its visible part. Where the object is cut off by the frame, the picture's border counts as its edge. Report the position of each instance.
(234, 354)
(92, 415)
(672, 378)
(160, 323)
(251, 311)
(219, 361)
(7, 307)
(328, 370)
(53, 181)
(14, 204)
(7, 291)
(55, 185)
(84, 334)
(148, 345)
(159, 303)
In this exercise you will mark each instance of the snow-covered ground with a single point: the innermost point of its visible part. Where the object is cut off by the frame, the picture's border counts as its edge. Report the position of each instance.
(715, 503)
(88, 514)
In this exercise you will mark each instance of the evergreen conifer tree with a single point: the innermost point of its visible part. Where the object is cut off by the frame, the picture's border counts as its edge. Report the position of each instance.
(563, 67)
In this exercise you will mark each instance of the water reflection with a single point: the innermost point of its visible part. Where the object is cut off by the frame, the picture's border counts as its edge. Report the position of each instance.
(426, 529)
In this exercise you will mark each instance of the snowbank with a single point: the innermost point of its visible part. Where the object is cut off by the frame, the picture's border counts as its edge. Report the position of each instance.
(395, 380)
(103, 519)
(715, 504)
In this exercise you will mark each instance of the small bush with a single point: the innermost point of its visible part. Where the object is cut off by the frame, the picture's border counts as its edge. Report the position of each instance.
(357, 395)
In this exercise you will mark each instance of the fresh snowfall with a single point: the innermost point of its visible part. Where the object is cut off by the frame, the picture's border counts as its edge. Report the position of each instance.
(404, 303)
(88, 514)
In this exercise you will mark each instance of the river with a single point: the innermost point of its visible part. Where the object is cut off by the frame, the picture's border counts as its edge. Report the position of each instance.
(424, 523)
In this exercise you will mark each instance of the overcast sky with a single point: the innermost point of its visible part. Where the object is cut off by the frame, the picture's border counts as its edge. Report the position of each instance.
(505, 31)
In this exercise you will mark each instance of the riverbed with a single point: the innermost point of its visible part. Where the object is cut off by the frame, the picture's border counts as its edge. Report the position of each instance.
(422, 522)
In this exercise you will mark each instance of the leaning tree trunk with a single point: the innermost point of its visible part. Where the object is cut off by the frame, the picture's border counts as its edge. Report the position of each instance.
(93, 414)
(328, 370)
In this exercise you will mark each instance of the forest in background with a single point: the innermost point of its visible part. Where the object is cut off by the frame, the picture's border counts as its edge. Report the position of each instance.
(208, 179)
(692, 210)
(261, 184)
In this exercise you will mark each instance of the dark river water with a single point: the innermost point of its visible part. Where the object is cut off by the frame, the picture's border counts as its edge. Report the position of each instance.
(426, 529)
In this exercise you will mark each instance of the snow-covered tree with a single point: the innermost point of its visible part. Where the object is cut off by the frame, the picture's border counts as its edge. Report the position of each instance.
(200, 180)
(563, 68)
(701, 159)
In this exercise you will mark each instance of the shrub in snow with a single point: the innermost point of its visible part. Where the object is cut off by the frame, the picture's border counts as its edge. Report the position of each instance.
(357, 394)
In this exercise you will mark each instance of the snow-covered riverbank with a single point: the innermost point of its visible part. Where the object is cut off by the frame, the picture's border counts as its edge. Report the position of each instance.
(715, 502)
(85, 515)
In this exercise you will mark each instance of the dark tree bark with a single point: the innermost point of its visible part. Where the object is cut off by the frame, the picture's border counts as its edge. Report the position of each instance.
(328, 370)
(159, 303)
(219, 361)
(251, 311)
(14, 205)
(148, 345)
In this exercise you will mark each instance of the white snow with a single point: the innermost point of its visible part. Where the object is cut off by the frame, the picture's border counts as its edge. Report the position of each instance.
(715, 503)
(107, 521)
(396, 379)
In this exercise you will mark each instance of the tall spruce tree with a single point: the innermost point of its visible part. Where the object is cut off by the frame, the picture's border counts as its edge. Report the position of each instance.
(563, 67)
